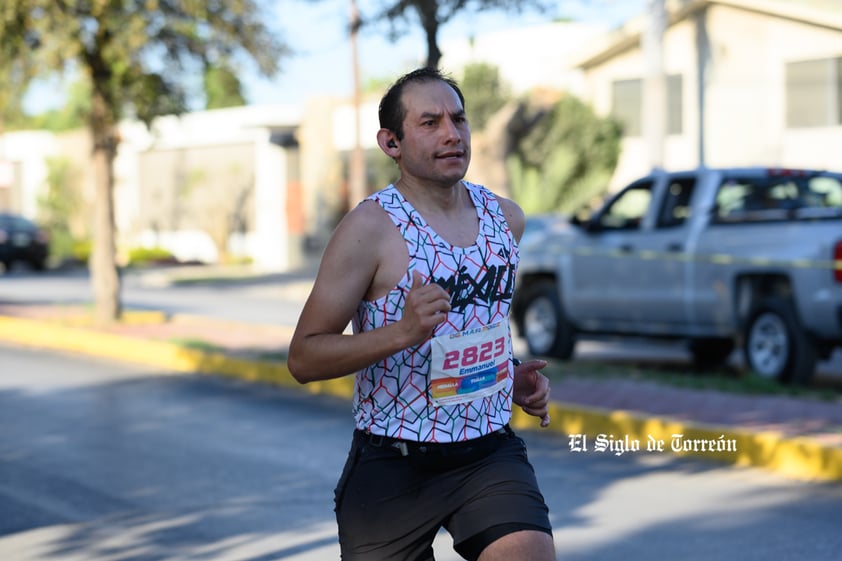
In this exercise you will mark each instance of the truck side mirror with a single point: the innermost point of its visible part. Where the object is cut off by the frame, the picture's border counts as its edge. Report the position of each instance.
(581, 218)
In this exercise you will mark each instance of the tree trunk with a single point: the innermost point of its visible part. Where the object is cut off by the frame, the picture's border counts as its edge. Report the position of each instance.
(104, 274)
(429, 21)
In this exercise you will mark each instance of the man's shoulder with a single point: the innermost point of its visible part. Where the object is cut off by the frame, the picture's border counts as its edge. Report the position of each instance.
(505, 203)
(367, 214)
(485, 191)
(471, 186)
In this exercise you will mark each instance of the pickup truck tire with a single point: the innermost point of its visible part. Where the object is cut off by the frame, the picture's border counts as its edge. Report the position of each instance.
(545, 327)
(776, 345)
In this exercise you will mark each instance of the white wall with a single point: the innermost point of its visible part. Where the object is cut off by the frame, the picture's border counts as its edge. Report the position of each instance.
(745, 94)
(527, 57)
(270, 242)
(30, 151)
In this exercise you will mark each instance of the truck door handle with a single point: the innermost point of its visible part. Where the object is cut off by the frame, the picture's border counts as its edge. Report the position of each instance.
(626, 248)
(674, 247)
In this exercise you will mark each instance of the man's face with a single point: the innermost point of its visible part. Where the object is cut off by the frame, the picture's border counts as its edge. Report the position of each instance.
(437, 140)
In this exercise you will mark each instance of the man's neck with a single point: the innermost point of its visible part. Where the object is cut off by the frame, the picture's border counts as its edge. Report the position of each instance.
(432, 196)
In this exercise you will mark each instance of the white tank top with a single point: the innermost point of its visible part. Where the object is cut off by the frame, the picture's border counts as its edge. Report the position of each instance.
(458, 384)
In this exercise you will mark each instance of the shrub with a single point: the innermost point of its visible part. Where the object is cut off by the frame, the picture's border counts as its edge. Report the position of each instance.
(140, 256)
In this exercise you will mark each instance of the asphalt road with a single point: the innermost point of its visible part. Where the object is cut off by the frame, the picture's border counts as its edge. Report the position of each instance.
(103, 461)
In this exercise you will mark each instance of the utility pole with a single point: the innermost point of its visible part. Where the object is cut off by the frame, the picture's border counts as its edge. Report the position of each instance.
(655, 83)
(702, 62)
(357, 183)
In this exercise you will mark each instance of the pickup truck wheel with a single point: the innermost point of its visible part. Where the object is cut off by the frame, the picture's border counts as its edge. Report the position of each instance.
(776, 345)
(545, 327)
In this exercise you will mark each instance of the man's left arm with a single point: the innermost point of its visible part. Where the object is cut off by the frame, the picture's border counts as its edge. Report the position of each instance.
(515, 217)
(531, 388)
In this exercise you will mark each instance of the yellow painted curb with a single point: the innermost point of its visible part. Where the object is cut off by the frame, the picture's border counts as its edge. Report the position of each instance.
(799, 458)
(162, 354)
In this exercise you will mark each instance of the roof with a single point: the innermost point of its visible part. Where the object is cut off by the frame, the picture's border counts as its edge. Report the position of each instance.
(820, 13)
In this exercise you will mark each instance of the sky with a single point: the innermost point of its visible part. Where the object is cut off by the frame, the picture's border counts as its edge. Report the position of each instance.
(321, 62)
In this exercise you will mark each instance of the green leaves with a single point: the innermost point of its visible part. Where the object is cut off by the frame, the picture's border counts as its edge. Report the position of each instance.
(145, 57)
(484, 92)
(565, 159)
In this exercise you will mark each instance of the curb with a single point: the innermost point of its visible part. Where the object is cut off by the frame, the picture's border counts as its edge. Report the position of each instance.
(588, 429)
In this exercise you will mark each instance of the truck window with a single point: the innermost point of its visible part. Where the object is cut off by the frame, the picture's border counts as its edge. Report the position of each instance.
(628, 209)
(824, 192)
(756, 199)
(777, 198)
(675, 209)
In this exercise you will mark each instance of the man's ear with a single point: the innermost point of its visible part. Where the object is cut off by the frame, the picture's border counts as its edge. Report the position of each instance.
(388, 143)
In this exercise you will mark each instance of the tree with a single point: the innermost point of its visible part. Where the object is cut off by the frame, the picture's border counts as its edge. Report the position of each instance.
(59, 204)
(138, 56)
(16, 70)
(565, 159)
(72, 115)
(482, 85)
(222, 88)
(432, 14)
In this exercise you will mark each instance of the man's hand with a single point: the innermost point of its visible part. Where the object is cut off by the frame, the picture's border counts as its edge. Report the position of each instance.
(426, 307)
(531, 389)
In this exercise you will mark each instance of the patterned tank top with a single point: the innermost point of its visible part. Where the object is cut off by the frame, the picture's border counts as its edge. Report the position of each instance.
(457, 385)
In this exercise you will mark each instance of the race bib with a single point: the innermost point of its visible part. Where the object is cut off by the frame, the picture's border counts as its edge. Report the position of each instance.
(470, 364)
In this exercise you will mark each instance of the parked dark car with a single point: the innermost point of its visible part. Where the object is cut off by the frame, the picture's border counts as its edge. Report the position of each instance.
(22, 241)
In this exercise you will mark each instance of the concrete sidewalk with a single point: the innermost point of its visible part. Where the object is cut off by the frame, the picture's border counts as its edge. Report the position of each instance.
(797, 437)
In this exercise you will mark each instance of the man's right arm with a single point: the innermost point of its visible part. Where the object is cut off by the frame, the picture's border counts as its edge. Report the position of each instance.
(320, 349)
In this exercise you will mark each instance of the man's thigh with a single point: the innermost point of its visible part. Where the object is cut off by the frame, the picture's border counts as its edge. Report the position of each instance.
(527, 545)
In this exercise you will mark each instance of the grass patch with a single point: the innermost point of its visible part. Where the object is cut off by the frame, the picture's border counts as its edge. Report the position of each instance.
(198, 345)
(207, 347)
(722, 380)
(726, 380)
(273, 356)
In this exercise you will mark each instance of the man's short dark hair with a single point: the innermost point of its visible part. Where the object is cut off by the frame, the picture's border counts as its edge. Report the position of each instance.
(392, 112)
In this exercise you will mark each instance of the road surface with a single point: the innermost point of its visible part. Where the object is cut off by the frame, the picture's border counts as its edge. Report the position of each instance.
(104, 461)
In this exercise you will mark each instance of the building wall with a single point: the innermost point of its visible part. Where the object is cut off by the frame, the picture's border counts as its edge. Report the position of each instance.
(744, 96)
(196, 189)
(747, 95)
(538, 56)
(25, 154)
(205, 174)
(182, 183)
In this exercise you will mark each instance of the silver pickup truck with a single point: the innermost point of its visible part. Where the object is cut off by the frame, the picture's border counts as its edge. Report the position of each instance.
(720, 258)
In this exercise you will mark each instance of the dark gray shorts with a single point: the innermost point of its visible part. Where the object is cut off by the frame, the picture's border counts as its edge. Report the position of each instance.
(390, 507)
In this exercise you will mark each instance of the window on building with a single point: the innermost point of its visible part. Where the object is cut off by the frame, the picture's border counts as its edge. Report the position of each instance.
(814, 93)
(627, 105)
(675, 104)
